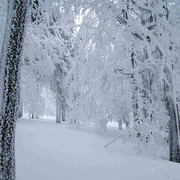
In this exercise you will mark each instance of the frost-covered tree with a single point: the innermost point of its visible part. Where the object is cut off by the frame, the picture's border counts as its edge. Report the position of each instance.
(126, 52)
(50, 30)
(9, 84)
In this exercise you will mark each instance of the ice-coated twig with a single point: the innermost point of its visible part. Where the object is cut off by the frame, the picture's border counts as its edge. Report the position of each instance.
(116, 138)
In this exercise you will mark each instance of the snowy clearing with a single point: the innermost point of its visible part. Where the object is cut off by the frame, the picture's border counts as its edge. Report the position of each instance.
(49, 151)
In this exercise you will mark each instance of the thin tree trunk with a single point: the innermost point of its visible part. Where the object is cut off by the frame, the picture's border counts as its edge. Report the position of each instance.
(63, 115)
(20, 110)
(58, 119)
(174, 147)
(9, 84)
(174, 150)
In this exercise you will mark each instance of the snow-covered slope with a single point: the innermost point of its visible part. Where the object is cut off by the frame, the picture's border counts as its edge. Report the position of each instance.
(49, 151)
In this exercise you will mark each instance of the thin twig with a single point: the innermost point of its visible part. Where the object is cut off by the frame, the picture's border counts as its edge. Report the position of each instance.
(114, 139)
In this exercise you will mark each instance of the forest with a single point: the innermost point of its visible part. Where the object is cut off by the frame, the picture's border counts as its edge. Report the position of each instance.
(89, 73)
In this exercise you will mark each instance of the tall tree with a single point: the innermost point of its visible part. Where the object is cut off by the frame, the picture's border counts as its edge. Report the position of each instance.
(9, 84)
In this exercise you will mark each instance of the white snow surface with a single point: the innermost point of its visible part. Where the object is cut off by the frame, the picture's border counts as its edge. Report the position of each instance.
(49, 151)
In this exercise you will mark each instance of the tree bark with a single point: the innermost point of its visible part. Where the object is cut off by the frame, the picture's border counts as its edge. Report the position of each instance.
(58, 114)
(60, 96)
(174, 146)
(174, 150)
(9, 84)
(20, 110)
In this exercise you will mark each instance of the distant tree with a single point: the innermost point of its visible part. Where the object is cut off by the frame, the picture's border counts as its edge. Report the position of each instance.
(49, 36)
(9, 84)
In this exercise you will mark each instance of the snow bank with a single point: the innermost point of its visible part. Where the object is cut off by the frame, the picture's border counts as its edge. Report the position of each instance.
(49, 151)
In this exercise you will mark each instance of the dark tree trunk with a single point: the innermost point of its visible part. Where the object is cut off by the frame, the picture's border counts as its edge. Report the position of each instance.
(20, 110)
(60, 95)
(9, 84)
(174, 150)
(58, 113)
(172, 108)
(63, 115)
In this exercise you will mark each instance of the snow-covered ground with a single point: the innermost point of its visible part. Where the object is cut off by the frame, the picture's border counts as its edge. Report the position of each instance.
(49, 151)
